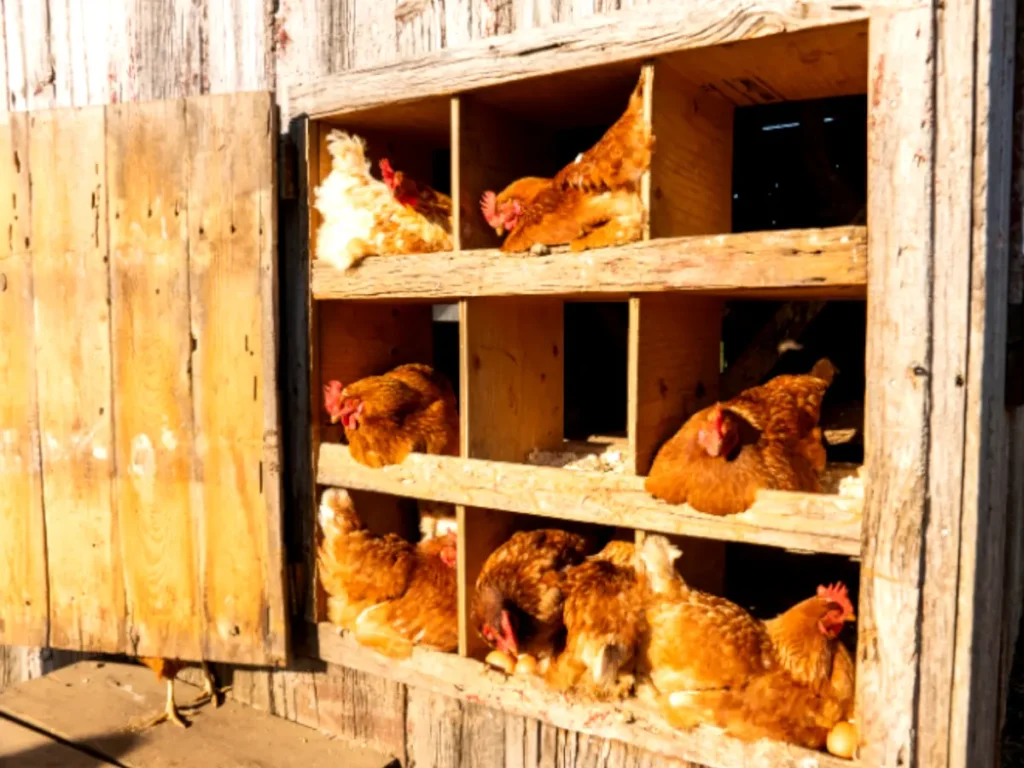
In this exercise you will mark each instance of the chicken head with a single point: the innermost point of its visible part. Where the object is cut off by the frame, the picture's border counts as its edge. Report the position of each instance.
(837, 609)
(719, 435)
(498, 626)
(347, 410)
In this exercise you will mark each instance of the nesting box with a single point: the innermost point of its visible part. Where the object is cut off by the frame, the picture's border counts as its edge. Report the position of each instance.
(139, 342)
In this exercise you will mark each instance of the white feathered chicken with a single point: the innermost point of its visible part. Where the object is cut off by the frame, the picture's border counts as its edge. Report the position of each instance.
(363, 216)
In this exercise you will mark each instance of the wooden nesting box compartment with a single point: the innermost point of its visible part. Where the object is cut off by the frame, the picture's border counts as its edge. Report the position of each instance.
(517, 469)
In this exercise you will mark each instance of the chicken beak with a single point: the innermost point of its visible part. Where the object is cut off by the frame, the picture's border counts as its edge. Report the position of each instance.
(335, 418)
(499, 231)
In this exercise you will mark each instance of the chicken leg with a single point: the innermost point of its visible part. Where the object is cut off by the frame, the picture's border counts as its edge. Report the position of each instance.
(170, 710)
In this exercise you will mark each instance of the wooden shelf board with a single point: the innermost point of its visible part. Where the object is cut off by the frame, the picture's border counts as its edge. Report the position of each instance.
(593, 41)
(633, 722)
(830, 263)
(796, 521)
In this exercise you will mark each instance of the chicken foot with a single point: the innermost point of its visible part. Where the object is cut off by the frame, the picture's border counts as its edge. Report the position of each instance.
(170, 711)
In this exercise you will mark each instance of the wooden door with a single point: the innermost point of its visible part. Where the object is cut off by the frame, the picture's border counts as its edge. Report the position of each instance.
(140, 508)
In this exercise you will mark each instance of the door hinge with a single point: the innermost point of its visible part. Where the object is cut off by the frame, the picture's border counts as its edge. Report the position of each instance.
(288, 168)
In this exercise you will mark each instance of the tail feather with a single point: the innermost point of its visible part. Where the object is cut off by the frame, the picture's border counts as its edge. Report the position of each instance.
(373, 630)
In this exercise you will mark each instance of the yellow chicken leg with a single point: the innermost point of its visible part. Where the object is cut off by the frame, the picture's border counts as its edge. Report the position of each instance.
(170, 711)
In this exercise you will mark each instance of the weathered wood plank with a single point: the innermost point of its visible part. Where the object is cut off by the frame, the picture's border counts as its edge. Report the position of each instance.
(73, 362)
(231, 148)
(974, 717)
(898, 404)
(631, 722)
(24, 612)
(149, 277)
(804, 521)
(828, 263)
(586, 42)
(951, 287)
(434, 730)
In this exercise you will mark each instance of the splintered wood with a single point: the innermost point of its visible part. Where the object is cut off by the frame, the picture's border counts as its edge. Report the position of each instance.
(139, 303)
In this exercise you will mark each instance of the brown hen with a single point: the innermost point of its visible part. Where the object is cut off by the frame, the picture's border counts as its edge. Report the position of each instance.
(391, 593)
(517, 604)
(591, 203)
(765, 437)
(710, 661)
(604, 615)
(434, 206)
(411, 409)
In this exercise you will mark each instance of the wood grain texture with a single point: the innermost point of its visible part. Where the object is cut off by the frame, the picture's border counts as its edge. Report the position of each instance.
(898, 402)
(954, 159)
(825, 263)
(974, 718)
(24, 612)
(231, 205)
(598, 39)
(73, 362)
(809, 522)
(466, 680)
(154, 451)
(63, 53)
(512, 368)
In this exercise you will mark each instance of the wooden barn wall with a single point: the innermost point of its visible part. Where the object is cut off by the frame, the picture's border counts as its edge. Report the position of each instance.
(60, 53)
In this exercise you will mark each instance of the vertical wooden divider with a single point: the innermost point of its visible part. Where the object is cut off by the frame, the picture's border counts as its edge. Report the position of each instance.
(675, 339)
(23, 590)
(510, 349)
(149, 276)
(73, 364)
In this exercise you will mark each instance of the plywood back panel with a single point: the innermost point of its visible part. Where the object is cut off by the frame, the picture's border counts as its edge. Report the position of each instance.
(142, 311)
(23, 599)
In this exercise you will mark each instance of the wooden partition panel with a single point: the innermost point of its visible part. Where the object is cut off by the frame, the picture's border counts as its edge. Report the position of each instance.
(23, 587)
(675, 339)
(512, 387)
(153, 291)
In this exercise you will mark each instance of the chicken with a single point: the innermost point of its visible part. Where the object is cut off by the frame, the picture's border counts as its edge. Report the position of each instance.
(603, 614)
(434, 206)
(591, 203)
(166, 670)
(411, 409)
(710, 661)
(765, 437)
(517, 604)
(392, 594)
(361, 216)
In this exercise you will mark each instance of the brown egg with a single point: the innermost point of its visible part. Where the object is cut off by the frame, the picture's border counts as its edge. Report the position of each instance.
(501, 660)
(842, 739)
(526, 665)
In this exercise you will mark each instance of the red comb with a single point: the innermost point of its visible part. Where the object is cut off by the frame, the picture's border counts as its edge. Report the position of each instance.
(838, 594)
(489, 207)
